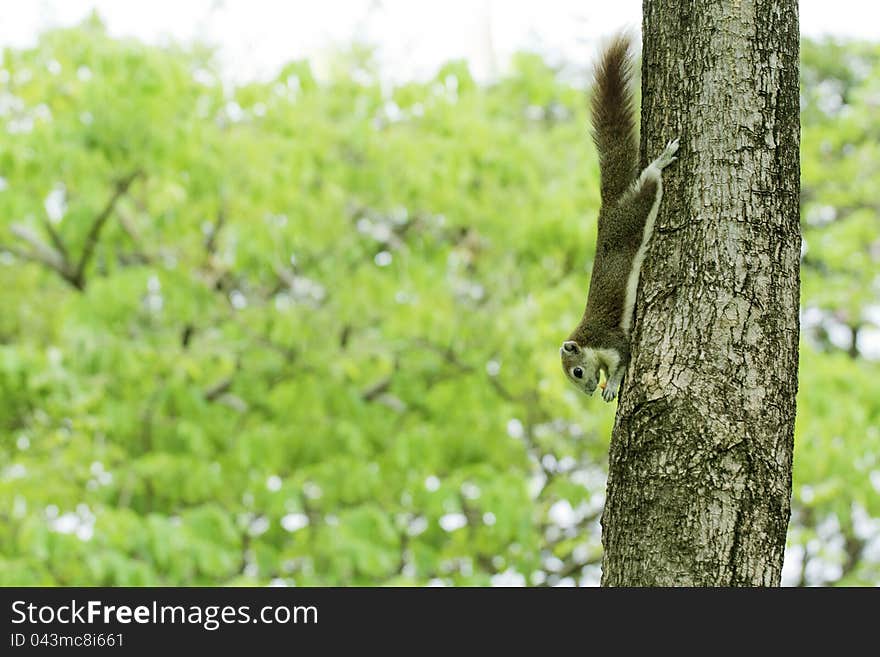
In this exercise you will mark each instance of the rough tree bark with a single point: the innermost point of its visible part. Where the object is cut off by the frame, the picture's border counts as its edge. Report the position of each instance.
(699, 478)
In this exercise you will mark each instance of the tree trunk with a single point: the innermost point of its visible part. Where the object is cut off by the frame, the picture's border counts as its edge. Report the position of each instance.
(699, 480)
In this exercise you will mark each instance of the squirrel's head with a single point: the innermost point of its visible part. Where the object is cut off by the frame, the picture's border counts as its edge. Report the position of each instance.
(581, 366)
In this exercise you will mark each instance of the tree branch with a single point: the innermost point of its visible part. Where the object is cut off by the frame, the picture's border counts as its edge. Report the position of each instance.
(94, 233)
(376, 389)
(41, 252)
(211, 238)
(56, 238)
(218, 389)
(140, 255)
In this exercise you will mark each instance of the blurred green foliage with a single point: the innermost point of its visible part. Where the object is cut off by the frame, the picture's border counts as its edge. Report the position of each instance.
(306, 331)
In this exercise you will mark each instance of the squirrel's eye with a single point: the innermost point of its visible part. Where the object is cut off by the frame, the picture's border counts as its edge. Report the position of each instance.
(578, 373)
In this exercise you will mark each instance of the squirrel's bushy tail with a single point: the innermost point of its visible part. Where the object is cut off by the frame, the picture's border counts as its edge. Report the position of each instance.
(613, 118)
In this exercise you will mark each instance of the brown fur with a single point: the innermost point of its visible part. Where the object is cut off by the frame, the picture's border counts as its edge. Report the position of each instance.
(613, 118)
(626, 204)
(621, 224)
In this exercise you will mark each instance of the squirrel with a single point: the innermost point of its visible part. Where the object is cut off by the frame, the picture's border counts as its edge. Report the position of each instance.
(629, 207)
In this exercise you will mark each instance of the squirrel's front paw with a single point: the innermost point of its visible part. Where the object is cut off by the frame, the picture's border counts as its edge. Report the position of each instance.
(609, 392)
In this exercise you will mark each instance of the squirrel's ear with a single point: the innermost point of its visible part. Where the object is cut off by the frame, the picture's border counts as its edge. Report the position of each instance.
(570, 346)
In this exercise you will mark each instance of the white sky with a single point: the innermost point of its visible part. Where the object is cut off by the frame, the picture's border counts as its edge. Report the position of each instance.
(413, 36)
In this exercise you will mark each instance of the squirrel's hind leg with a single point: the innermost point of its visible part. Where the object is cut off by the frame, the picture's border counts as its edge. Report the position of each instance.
(667, 157)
